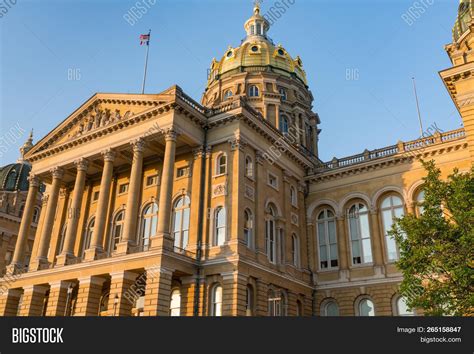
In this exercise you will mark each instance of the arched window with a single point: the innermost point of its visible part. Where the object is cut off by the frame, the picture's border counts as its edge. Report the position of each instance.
(330, 309)
(252, 30)
(327, 240)
(270, 234)
(365, 307)
(62, 238)
(402, 308)
(36, 214)
(248, 228)
(249, 306)
(175, 304)
(249, 167)
(10, 183)
(181, 214)
(420, 199)
(117, 229)
(221, 164)
(149, 224)
(284, 95)
(253, 91)
(216, 301)
(293, 196)
(259, 28)
(359, 229)
(295, 250)
(284, 124)
(220, 227)
(227, 94)
(392, 208)
(86, 243)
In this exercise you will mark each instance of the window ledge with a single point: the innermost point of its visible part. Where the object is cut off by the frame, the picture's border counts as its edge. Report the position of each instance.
(221, 175)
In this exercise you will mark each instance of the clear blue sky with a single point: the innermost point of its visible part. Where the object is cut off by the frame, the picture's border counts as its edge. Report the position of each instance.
(42, 40)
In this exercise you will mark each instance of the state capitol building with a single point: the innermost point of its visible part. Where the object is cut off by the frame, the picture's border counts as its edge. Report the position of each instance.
(157, 205)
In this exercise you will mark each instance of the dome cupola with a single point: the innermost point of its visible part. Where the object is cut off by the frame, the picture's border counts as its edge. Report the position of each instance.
(256, 26)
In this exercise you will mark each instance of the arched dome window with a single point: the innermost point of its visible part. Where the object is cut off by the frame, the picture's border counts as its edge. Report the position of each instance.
(284, 124)
(253, 91)
(227, 94)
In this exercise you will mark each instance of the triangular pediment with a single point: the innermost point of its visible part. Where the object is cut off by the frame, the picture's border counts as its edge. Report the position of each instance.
(97, 113)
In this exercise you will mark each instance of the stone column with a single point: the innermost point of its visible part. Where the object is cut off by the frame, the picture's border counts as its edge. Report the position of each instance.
(121, 283)
(88, 297)
(58, 298)
(342, 244)
(188, 291)
(33, 300)
(377, 247)
(102, 207)
(45, 238)
(9, 301)
(74, 213)
(129, 235)
(158, 291)
(166, 193)
(25, 226)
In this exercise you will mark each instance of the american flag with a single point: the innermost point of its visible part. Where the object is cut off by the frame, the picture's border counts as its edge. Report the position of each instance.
(145, 39)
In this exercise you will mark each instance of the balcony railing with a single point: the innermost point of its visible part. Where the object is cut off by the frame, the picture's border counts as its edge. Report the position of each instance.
(400, 148)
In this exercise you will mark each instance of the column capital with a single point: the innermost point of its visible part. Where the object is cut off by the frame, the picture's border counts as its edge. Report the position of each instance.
(237, 143)
(81, 164)
(34, 180)
(138, 145)
(108, 155)
(199, 152)
(57, 172)
(44, 199)
(259, 157)
(170, 135)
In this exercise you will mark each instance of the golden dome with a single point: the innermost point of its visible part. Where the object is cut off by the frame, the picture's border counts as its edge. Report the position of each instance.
(257, 53)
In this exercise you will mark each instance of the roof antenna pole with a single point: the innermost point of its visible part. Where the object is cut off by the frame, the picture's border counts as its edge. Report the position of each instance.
(418, 107)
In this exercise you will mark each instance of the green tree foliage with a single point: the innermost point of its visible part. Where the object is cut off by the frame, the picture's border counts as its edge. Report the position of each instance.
(437, 246)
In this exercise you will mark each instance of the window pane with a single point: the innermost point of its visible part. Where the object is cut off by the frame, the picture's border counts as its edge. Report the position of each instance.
(177, 221)
(399, 212)
(186, 219)
(323, 253)
(387, 220)
(333, 252)
(391, 248)
(332, 309)
(364, 226)
(366, 308)
(367, 250)
(355, 249)
(154, 224)
(321, 234)
(353, 228)
(402, 308)
(332, 232)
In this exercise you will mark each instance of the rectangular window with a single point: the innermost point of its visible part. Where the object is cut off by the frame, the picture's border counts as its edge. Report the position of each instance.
(96, 196)
(123, 188)
(182, 172)
(273, 180)
(152, 180)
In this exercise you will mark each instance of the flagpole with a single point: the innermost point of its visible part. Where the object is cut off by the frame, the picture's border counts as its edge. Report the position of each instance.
(418, 107)
(146, 62)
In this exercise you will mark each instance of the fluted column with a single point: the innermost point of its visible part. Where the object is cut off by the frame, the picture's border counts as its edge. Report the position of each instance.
(131, 213)
(102, 206)
(45, 238)
(74, 212)
(25, 226)
(166, 189)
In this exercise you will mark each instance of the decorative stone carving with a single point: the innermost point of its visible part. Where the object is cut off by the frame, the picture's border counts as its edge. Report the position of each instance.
(99, 119)
(219, 190)
(109, 155)
(81, 164)
(294, 219)
(57, 173)
(237, 143)
(34, 180)
(138, 145)
(249, 192)
(171, 135)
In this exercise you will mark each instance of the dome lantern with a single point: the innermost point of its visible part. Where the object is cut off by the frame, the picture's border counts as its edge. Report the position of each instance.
(256, 26)
(464, 19)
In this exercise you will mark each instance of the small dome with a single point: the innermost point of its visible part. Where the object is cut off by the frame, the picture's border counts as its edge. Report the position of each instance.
(464, 19)
(14, 177)
(257, 53)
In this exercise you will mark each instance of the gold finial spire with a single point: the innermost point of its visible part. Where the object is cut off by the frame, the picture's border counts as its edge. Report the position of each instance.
(256, 8)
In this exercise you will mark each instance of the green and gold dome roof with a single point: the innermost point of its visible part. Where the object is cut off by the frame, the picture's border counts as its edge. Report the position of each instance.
(464, 19)
(257, 53)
